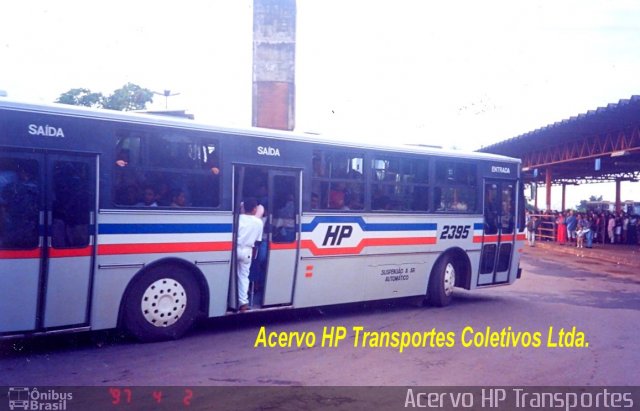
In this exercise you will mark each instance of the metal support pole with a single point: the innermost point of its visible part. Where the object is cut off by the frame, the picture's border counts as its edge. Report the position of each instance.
(547, 181)
(618, 202)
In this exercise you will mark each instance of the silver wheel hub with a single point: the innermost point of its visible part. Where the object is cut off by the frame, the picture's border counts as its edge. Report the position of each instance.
(449, 279)
(164, 302)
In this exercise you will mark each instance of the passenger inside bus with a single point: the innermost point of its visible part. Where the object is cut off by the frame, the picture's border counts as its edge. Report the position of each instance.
(380, 201)
(250, 229)
(284, 221)
(164, 193)
(179, 199)
(122, 158)
(255, 186)
(261, 251)
(315, 201)
(490, 210)
(336, 196)
(352, 203)
(148, 198)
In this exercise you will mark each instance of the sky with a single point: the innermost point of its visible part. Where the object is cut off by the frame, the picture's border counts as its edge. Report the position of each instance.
(455, 73)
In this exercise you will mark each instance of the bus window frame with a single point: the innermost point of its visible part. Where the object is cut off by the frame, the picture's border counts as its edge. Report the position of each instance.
(328, 182)
(437, 184)
(145, 167)
(375, 156)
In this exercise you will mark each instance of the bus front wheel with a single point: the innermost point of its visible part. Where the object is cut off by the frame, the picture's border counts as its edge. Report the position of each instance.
(162, 304)
(441, 282)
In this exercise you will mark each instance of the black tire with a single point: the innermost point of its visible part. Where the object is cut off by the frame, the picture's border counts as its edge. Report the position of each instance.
(442, 281)
(162, 304)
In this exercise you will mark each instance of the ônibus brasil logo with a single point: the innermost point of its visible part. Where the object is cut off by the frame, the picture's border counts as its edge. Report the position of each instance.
(25, 398)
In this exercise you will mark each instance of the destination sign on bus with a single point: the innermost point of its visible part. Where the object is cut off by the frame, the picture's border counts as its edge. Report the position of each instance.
(46, 130)
(500, 169)
(268, 151)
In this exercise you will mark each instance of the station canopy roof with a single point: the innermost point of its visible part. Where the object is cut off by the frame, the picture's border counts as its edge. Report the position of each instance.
(599, 145)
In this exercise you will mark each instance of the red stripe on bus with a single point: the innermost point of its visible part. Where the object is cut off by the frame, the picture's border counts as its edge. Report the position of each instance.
(399, 241)
(486, 239)
(282, 246)
(367, 242)
(70, 252)
(11, 254)
(154, 248)
(494, 238)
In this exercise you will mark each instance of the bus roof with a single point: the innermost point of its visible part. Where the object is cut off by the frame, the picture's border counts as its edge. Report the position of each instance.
(167, 121)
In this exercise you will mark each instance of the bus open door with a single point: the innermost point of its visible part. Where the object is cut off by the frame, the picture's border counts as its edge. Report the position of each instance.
(499, 231)
(272, 275)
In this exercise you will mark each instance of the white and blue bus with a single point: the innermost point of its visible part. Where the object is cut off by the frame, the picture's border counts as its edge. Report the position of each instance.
(111, 219)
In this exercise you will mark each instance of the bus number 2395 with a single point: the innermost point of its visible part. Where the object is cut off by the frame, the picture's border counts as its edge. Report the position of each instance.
(455, 231)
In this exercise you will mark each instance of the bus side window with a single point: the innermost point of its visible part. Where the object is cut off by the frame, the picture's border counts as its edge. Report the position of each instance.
(71, 205)
(126, 169)
(19, 203)
(397, 186)
(337, 181)
(175, 163)
(128, 150)
(211, 158)
(456, 187)
(491, 209)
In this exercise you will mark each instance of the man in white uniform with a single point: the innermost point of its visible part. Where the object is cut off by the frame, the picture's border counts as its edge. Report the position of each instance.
(249, 231)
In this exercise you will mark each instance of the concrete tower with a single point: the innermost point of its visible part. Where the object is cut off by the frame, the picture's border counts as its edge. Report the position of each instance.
(274, 47)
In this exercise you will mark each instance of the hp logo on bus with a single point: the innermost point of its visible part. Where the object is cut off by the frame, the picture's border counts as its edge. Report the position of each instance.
(334, 236)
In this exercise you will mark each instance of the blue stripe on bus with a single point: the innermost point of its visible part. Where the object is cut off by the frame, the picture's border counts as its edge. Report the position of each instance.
(163, 228)
(227, 228)
(478, 226)
(309, 227)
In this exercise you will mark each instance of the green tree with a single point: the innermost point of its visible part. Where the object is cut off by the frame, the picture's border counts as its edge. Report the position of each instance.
(81, 97)
(584, 204)
(582, 207)
(128, 97)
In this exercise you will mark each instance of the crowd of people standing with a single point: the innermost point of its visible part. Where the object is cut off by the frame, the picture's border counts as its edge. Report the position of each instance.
(583, 229)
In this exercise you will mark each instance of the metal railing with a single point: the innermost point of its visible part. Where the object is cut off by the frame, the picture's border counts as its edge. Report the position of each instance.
(548, 229)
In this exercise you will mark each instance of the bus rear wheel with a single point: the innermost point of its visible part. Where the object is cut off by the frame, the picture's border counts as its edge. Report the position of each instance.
(441, 282)
(162, 304)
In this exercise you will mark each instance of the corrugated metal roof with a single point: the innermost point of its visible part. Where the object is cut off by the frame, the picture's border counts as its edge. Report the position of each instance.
(615, 116)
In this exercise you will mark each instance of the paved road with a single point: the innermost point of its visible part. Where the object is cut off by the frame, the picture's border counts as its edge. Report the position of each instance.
(559, 291)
